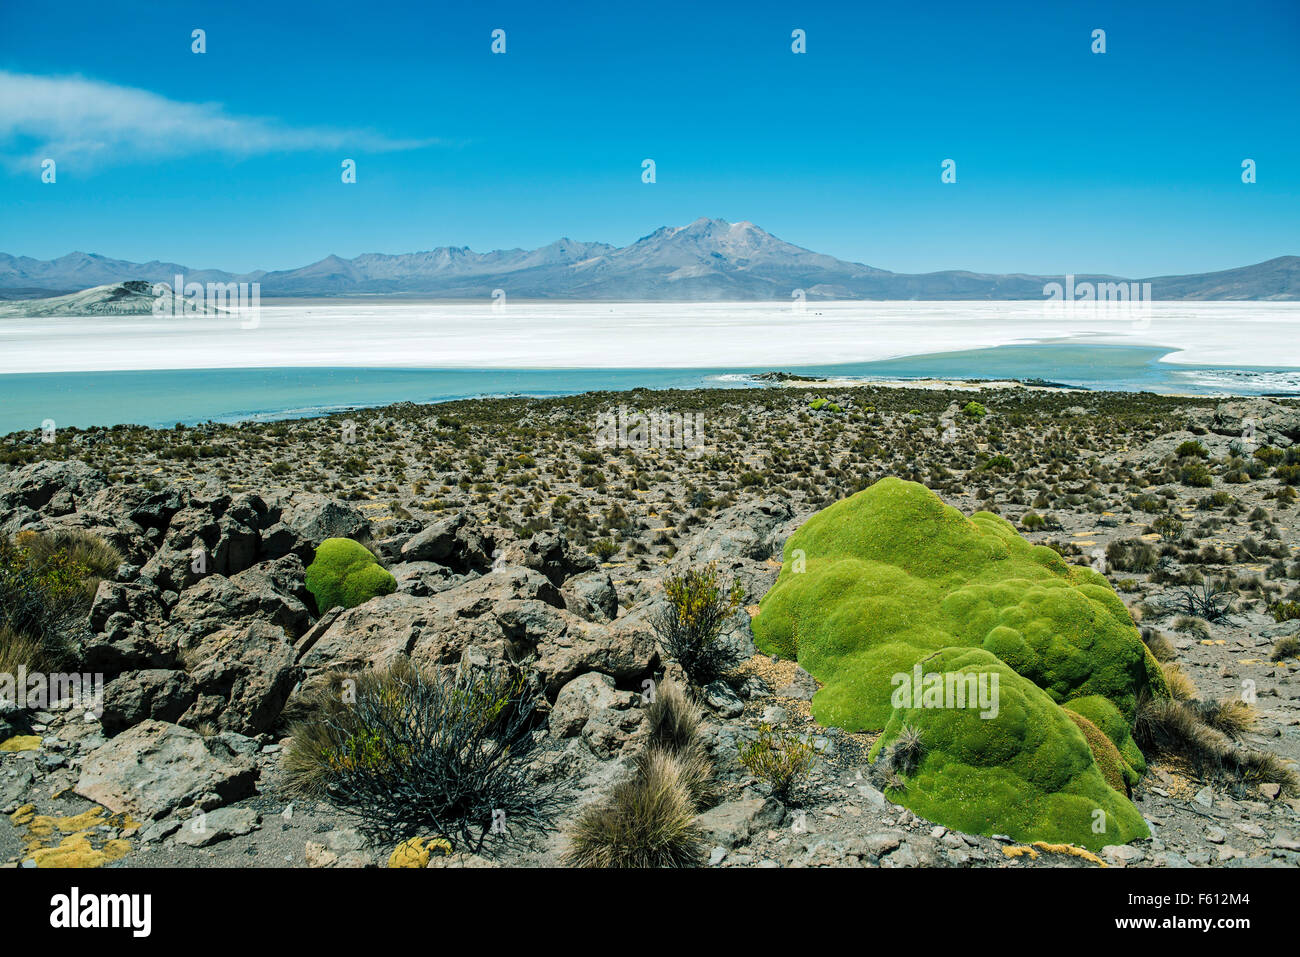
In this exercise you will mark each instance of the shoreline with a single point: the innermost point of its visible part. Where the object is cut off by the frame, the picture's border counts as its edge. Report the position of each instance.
(776, 381)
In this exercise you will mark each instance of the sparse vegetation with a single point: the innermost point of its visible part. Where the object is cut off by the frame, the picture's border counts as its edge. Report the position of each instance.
(648, 819)
(781, 759)
(411, 752)
(688, 627)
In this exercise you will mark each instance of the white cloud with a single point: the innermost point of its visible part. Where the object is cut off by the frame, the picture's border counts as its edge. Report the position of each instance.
(77, 120)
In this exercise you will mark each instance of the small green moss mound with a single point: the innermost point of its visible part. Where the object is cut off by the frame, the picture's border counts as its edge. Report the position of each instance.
(874, 583)
(346, 573)
(1026, 771)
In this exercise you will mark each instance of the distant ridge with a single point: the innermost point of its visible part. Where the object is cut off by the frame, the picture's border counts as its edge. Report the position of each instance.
(707, 260)
(135, 297)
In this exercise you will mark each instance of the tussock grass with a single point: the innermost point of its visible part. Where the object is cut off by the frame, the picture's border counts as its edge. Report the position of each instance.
(1232, 716)
(648, 819)
(1166, 726)
(18, 650)
(1162, 649)
(1180, 683)
(1288, 646)
(47, 583)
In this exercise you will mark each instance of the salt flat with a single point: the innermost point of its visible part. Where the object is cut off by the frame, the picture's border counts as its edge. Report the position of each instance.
(622, 336)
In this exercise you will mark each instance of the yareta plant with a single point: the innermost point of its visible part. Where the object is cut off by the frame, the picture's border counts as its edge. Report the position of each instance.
(892, 580)
(345, 573)
(1024, 769)
(879, 580)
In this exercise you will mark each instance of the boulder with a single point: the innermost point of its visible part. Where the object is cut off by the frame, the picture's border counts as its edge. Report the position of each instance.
(746, 531)
(271, 592)
(424, 578)
(52, 488)
(592, 707)
(440, 626)
(551, 554)
(137, 505)
(579, 699)
(376, 633)
(317, 517)
(156, 693)
(733, 822)
(154, 768)
(1270, 422)
(279, 540)
(457, 541)
(127, 620)
(591, 595)
(219, 825)
(243, 676)
(562, 646)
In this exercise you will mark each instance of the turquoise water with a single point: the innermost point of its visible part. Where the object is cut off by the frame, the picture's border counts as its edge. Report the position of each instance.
(163, 398)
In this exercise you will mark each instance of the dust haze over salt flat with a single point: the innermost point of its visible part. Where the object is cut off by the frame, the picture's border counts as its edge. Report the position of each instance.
(531, 335)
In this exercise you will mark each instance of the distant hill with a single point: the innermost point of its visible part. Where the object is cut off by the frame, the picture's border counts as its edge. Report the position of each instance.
(709, 259)
(132, 298)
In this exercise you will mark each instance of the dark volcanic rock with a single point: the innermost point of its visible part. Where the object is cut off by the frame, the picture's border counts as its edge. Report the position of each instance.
(243, 675)
(551, 554)
(318, 517)
(140, 695)
(52, 488)
(458, 542)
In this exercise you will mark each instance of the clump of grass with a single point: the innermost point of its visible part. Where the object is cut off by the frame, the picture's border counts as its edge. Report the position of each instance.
(1131, 555)
(1162, 649)
(781, 759)
(648, 820)
(1166, 726)
(673, 718)
(604, 548)
(47, 583)
(93, 557)
(19, 650)
(411, 752)
(1232, 716)
(1189, 624)
(904, 755)
(1180, 683)
(1288, 646)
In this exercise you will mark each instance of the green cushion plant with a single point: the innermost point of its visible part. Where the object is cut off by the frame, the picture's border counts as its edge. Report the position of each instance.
(1027, 773)
(881, 579)
(890, 577)
(346, 573)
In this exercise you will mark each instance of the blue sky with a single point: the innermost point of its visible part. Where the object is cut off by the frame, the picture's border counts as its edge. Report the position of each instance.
(1128, 162)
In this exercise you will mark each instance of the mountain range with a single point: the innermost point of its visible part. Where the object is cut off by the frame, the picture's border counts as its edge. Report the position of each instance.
(709, 259)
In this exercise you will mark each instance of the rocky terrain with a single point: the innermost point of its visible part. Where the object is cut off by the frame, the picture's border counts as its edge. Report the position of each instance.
(512, 533)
